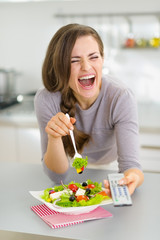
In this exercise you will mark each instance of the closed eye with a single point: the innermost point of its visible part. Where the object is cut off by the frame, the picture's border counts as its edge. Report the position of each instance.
(94, 57)
(74, 61)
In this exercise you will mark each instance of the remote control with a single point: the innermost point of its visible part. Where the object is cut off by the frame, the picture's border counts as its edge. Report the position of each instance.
(120, 193)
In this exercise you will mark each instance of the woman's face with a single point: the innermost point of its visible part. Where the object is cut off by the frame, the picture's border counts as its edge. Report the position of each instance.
(86, 71)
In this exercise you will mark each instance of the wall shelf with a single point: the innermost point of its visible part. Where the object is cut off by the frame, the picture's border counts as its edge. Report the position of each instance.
(124, 14)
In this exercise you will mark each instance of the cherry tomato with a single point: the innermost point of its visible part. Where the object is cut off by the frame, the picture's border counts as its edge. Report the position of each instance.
(103, 193)
(73, 187)
(91, 186)
(82, 168)
(82, 197)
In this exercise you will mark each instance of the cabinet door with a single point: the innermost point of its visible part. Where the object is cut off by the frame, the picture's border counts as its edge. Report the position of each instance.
(8, 147)
(29, 149)
(150, 159)
(150, 152)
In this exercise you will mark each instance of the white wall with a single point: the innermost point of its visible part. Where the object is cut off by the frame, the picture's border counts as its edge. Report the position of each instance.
(26, 29)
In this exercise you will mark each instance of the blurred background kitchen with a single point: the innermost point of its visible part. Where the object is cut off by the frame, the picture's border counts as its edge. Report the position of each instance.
(131, 34)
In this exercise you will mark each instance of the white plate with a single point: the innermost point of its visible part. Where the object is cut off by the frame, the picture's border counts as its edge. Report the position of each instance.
(68, 210)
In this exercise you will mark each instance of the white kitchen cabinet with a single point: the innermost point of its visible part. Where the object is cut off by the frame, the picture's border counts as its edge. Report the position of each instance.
(150, 151)
(20, 144)
(28, 141)
(150, 159)
(8, 143)
(150, 140)
(19, 133)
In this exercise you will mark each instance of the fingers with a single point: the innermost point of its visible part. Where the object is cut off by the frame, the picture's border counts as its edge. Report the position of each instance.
(123, 181)
(107, 187)
(106, 183)
(59, 125)
(131, 188)
(73, 120)
(131, 180)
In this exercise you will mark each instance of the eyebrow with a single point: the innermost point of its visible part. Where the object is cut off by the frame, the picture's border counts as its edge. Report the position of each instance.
(88, 55)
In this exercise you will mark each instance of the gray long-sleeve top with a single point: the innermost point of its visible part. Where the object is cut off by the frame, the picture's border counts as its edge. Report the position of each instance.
(111, 121)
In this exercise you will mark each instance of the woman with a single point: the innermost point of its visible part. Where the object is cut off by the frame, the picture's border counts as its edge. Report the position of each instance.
(103, 113)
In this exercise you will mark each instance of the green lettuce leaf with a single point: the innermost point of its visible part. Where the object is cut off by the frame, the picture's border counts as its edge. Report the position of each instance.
(45, 195)
(80, 162)
(64, 202)
(64, 198)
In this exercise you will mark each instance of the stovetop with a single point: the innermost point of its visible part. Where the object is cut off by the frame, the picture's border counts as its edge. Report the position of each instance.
(7, 102)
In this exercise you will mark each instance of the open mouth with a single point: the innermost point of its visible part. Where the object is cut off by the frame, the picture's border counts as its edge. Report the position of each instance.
(87, 81)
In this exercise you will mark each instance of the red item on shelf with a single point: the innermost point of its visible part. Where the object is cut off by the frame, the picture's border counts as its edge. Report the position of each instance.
(130, 43)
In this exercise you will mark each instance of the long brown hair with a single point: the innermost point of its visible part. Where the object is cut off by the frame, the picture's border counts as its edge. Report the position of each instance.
(56, 73)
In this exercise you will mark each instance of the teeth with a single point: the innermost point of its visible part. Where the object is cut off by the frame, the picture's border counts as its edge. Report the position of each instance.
(87, 77)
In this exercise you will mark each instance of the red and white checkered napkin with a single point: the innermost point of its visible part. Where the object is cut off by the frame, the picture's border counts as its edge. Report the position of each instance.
(57, 220)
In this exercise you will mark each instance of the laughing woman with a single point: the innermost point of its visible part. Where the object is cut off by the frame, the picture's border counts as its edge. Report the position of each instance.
(103, 112)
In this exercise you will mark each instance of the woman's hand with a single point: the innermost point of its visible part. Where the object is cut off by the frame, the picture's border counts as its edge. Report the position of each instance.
(107, 188)
(59, 125)
(133, 178)
(55, 156)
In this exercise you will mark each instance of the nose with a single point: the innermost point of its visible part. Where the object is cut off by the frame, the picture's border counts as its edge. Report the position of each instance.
(85, 65)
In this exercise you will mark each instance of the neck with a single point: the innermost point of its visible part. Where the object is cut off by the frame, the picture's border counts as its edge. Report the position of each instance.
(86, 103)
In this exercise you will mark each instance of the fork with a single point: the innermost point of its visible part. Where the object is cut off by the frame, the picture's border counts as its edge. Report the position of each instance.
(77, 155)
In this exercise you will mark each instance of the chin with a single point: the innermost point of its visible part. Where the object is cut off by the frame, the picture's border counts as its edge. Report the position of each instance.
(90, 94)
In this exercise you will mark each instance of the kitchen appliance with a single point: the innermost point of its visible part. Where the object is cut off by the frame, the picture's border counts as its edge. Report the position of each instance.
(8, 96)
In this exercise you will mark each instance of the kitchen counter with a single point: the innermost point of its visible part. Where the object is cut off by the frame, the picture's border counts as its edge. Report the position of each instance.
(140, 221)
(19, 115)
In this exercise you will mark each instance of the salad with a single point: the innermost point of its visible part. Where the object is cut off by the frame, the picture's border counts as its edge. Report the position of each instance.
(79, 164)
(75, 194)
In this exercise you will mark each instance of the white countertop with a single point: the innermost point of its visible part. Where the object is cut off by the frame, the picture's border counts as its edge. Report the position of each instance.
(140, 221)
(21, 115)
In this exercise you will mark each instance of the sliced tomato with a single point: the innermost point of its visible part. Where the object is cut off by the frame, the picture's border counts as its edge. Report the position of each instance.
(90, 186)
(82, 197)
(73, 187)
(103, 193)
